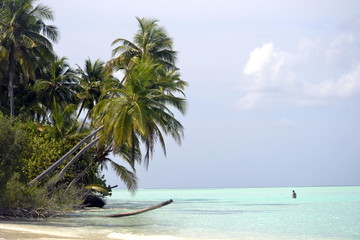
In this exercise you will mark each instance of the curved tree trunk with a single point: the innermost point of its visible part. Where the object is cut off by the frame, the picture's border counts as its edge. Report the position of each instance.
(63, 158)
(141, 210)
(76, 157)
(80, 175)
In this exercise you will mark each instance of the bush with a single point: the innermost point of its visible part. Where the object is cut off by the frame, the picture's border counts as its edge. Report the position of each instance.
(12, 147)
(20, 200)
(26, 150)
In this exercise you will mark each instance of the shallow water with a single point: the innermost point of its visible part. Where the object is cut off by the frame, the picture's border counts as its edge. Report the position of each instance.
(238, 213)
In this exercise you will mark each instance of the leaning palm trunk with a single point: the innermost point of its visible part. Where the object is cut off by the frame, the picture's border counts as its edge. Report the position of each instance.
(63, 158)
(79, 176)
(76, 157)
(141, 210)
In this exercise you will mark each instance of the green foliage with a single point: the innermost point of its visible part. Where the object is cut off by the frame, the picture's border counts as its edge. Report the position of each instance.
(151, 40)
(44, 147)
(25, 42)
(12, 142)
(56, 84)
(42, 151)
(26, 149)
(20, 200)
(140, 111)
(17, 195)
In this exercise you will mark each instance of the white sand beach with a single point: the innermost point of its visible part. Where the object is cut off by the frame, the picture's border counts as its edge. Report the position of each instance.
(12, 232)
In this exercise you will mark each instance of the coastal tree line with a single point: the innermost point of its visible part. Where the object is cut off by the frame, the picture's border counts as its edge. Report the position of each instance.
(47, 107)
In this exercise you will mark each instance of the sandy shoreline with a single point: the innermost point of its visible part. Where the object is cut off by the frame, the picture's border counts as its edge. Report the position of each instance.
(15, 232)
(23, 235)
(14, 235)
(9, 232)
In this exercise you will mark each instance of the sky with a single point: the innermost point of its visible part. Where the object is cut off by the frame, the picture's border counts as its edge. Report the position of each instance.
(274, 86)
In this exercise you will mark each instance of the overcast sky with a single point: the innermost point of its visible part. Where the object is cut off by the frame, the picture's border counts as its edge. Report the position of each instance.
(274, 86)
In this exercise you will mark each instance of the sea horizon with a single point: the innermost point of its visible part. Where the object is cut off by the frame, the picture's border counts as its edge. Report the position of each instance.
(210, 187)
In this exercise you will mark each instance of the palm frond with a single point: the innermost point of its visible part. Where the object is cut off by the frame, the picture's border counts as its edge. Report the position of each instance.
(128, 177)
(98, 188)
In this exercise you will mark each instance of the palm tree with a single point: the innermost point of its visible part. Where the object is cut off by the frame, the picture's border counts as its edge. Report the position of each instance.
(24, 39)
(57, 82)
(63, 120)
(151, 40)
(91, 80)
(140, 110)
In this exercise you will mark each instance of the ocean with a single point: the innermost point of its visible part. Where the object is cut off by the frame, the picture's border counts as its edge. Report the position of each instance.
(318, 213)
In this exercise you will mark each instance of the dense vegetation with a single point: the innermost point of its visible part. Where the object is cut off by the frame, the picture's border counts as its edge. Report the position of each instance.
(47, 107)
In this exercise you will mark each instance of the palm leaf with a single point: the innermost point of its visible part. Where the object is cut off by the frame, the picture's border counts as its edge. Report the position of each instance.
(98, 188)
(128, 177)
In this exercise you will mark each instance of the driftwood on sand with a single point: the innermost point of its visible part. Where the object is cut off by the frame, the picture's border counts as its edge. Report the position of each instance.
(141, 210)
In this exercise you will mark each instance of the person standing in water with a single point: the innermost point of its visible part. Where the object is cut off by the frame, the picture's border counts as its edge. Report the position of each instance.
(293, 194)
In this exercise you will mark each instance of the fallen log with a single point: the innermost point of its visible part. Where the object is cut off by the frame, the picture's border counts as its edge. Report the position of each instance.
(141, 210)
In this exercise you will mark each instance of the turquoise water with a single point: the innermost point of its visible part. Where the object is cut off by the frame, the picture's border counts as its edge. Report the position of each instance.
(239, 213)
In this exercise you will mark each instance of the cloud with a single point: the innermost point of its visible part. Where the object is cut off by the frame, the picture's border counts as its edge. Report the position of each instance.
(312, 74)
(263, 67)
(259, 58)
(338, 46)
(347, 85)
